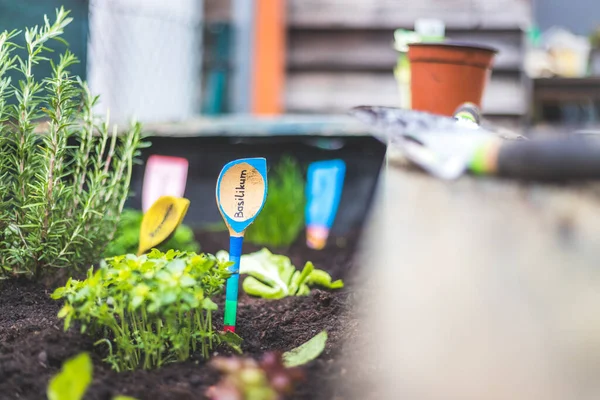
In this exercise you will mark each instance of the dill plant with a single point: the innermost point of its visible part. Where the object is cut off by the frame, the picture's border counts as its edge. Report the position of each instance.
(151, 310)
(62, 187)
(282, 218)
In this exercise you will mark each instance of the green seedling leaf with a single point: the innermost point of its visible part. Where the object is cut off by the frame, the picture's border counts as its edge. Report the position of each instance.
(73, 380)
(124, 398)
(273, 276)
(299, 278)
(208, 304)
(254, 287)
(322, 278)
(127, 236)
(232, 340)
(305, 352)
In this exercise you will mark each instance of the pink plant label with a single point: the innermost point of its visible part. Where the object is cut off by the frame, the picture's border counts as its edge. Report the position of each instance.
(164, 176)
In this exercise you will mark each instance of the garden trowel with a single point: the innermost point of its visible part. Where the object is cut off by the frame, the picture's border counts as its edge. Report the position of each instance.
(448, 147)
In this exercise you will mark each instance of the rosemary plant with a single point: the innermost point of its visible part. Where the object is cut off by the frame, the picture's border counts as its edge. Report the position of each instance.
(156, 308)
(62, 187)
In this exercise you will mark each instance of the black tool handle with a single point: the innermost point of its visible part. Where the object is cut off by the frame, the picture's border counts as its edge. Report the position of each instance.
(550, 159)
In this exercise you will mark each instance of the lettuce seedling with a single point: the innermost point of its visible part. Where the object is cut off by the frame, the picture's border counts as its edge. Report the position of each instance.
(270, 379)
(247, 379)
(282, 218)
(127, 237)
(156, 308)
(273, 276)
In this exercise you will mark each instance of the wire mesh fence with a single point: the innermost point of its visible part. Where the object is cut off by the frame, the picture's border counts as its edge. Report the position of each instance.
(145, 57)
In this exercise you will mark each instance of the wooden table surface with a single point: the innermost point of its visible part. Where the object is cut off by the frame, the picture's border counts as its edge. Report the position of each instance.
(482, 289)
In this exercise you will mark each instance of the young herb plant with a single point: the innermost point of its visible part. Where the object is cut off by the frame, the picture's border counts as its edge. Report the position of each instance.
(156, 308)
(127, 236)
(63, 187)
(273, 276)
(282, 218)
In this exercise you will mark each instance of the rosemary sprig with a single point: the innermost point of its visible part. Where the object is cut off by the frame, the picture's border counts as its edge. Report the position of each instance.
(61, 191)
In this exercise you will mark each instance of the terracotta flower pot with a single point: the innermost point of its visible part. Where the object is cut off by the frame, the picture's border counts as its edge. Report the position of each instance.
(445, 75)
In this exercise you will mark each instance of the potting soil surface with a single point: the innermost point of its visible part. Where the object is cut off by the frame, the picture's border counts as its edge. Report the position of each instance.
(33, 344)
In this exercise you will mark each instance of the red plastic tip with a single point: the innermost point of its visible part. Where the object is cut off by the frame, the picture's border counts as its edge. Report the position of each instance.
(229, 328)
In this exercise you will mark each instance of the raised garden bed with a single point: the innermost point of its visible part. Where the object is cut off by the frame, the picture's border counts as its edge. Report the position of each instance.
(33, 344)
(60, 205)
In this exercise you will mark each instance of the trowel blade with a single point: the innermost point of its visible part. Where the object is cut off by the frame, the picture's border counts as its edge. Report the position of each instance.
(439, 145)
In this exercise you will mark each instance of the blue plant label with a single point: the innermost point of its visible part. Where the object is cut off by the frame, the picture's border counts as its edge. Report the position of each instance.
(242, 191)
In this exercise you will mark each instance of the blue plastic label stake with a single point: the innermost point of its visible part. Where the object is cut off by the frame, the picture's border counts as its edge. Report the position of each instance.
(325, 182)
(241, 195)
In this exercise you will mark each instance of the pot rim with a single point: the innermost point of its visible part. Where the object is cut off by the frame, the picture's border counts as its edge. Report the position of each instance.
(456, 44)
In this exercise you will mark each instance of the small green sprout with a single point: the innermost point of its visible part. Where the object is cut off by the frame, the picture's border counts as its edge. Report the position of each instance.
(72, 381)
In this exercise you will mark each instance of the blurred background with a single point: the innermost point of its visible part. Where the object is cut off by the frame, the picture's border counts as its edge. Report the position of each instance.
(216, 80)
(177, 60)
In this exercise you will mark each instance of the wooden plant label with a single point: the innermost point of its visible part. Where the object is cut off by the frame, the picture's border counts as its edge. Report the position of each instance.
(241, 192)
(164, 176)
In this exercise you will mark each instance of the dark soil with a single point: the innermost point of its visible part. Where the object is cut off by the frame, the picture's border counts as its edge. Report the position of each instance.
(33, 344)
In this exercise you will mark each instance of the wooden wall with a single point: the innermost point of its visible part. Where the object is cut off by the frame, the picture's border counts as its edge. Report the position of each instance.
(469, 14)
(340, 54)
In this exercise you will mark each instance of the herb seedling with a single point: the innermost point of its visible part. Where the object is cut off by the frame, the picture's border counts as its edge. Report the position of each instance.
(273, 276)
(61, 190)
(282, 218)
(241, 192)
(152, 309)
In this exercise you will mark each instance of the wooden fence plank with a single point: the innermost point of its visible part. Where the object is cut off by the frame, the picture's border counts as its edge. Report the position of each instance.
(373, 49)
(217, 10)
(461, 14)
(337, 92)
